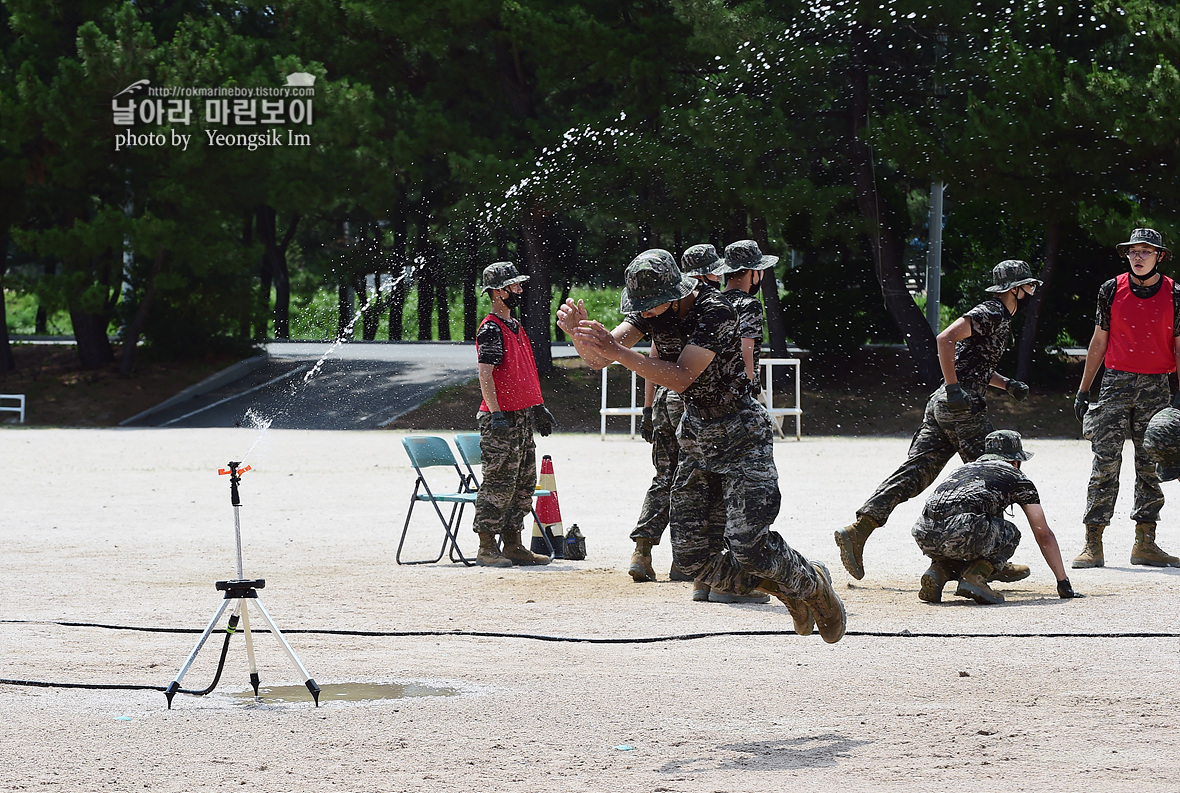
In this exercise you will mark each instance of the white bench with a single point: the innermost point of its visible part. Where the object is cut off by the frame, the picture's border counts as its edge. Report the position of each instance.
(635, 409)
(17, 407)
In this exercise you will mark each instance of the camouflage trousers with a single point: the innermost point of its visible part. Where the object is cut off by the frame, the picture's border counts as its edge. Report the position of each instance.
(1126, 402)
(966, 537)
(667, 408)
(724, 498)
(509, 473)
(943, 434)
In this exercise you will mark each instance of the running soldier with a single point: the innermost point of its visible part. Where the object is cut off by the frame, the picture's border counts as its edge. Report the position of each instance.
(661, 413)
(963, 530)
(956, 416)
(725, 493)
(512, 408)
(1137, 337)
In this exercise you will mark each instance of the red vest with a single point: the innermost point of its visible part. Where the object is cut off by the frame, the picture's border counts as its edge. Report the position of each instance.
(517, 385)
(1141, 331)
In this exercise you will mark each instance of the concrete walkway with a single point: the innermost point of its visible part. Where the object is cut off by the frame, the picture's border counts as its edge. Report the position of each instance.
(321, 386)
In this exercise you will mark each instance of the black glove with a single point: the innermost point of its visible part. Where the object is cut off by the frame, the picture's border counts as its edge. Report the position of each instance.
(956, 400)
(1065, 590)
(543, 420)
(499, 423)
(647, 427)
(1017, 390)
(1081, 403)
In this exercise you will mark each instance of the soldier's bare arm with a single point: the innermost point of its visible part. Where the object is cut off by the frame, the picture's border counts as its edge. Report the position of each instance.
(748, 357)
(571, 315)
(1095, 353)
(649, 388)
(1045, 538)
(677, 375)
(488, 387)
(955, 332)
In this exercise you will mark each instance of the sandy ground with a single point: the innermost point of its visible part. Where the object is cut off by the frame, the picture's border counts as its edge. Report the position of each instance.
(131, 528)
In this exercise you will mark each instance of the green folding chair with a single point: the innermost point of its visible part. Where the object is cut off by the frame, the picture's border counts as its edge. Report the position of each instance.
(472, 455)
(429, 451)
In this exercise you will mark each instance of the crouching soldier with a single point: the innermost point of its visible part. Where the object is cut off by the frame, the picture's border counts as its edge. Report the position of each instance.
(511, 409)
(963, 530)
(1161, 439)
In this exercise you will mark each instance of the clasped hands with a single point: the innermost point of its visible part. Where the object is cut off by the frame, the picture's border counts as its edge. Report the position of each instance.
(573, 319)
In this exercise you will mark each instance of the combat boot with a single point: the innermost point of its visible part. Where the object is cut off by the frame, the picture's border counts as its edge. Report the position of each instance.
(851, 541)
(518, 554)
(641, 569)
(934, 579)
(489, 554)
(1009, 572)
(717, 596)
(700, 592)
(1147, 552)
(800, 612)
(826, 606)
(676, 574)
(1091, 555)
(973, 584)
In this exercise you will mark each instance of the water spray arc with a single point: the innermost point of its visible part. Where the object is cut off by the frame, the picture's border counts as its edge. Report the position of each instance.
(241, 591)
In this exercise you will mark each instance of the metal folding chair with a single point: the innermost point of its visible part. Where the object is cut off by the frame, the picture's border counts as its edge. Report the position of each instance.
(428, 451)
(472, 455)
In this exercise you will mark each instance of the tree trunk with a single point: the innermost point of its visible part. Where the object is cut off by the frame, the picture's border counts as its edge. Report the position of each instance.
(776, 328)
(887, 252)
(247, 241)
(135, 326)
(346, 311)
(1026, 350)
(90, 332)
(274, 257)
(7, 362)
(425, 285)
(441, 298)
(737, 227)
(537, 292)
(471, 274)
(41, 321)
(401, 278)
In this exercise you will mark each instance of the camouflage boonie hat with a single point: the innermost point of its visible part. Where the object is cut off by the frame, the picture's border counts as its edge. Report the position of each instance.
(700, 260)
(1161, 439)
(744, 255)
(1004, 445)
(1010, 274)
(652, 279)
(500, 275)
(1145, 237)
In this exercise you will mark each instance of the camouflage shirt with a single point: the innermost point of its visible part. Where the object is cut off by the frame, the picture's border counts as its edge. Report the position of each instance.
(1106, 300)
(749, 313)
(712, 324)
(977, 356)
(985, 487)
(490, 340)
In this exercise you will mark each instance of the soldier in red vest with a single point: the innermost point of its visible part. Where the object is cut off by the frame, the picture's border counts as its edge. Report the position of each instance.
(1137, 337)
(512, 408)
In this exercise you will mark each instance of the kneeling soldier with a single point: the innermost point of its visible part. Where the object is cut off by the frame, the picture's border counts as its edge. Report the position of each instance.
(963, 530)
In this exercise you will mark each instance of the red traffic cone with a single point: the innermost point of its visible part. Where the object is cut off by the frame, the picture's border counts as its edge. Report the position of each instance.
(548, 514)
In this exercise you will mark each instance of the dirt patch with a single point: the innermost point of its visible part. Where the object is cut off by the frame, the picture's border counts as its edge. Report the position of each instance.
(60, 393)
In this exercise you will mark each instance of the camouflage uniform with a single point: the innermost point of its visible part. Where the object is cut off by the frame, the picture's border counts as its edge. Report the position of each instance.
(944, 431)
(505, 496)
(1126, 402)
(963, 519)
(725, 491)
(749, 313)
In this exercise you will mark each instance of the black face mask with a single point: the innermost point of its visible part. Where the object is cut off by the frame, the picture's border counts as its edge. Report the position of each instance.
(665, 322)
(754, 287)
(512, 300)
(1146, 276)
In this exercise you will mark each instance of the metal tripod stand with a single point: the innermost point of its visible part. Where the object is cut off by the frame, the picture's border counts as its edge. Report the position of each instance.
(241, 592)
